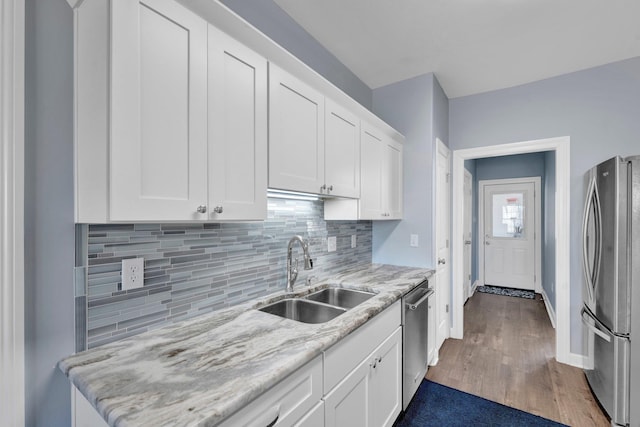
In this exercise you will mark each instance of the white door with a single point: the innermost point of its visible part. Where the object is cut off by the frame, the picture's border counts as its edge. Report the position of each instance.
(341, 151)
(237, 130)
(467, 232)
(509, 235)
(385, 382)
(348, 403)
(443, 270)
(296, 134)
(158, 112)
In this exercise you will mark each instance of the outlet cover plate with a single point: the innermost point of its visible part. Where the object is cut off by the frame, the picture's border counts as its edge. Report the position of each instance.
(132, 273)
(353, 240)
(413, 241)
(331, 244)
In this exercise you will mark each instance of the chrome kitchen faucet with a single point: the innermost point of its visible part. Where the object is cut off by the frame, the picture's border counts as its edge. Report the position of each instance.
(292, 270)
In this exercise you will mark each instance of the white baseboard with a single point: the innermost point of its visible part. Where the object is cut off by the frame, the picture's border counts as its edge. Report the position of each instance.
(577, 360)
(550, 311)
(473, 288)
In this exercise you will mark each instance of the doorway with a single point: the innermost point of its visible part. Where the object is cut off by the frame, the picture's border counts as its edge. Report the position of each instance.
(509, 233)
(560, 146)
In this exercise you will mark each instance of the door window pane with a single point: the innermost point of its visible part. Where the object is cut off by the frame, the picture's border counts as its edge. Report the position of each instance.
(508, 215)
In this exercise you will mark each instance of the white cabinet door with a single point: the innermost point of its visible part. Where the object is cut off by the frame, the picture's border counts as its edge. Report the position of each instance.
(158, 111)
(371, 173)
(341, 151)
(348, 403)
(296, 134)
(237, 130)
(385, 382)
(313, 418)
(392, 180)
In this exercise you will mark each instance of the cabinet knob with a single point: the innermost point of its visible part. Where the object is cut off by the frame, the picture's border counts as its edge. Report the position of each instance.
(323, 187)
(202, 209)
(218, 209)
(330, 188)
(441, 261)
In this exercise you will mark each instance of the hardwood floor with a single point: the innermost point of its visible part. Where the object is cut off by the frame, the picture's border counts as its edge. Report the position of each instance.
(507, 355)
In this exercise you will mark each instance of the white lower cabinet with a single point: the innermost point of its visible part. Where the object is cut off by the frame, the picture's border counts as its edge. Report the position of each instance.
(313, 418)
(371, 394)
(286, 403)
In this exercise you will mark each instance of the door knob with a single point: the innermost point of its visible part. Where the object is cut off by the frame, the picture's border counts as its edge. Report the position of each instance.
(202, 209)
(467, 242)
(487, 242)
(217, 209)
(441, 261)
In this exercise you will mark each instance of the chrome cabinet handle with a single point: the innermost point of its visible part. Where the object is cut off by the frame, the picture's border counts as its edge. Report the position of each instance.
(218, 209)
(202, 209)
(441, 261)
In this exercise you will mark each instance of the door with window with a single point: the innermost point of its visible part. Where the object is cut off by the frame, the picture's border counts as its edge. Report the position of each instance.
(509, 233)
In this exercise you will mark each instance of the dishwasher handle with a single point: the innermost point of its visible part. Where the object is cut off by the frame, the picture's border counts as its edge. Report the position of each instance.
(415, 305)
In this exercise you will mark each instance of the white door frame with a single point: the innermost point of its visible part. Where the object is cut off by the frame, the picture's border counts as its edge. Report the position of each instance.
(537, 269)
(12, 29)
(468, 210)
(561, 147)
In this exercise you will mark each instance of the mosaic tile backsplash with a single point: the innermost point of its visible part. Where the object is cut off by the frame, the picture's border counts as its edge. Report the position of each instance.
(191, 269)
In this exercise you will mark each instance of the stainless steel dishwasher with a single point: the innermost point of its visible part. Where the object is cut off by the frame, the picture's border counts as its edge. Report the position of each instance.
(415, 317)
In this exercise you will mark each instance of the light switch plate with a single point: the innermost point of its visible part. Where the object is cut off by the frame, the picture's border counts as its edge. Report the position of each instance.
(331, 244)
(413, 241)
(132, 273)
(353, 240)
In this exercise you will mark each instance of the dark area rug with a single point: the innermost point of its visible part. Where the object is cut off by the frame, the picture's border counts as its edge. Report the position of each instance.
(509, 292)
(438, 405)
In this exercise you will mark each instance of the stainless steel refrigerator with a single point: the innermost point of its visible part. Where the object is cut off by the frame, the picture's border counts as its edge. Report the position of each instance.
(611, 295)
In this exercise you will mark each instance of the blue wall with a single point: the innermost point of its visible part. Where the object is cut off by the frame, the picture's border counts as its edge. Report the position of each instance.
(269, 18)
(417, 108)
(598, 108)
(49, 228)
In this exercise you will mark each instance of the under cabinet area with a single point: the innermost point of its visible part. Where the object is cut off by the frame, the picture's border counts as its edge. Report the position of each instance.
(171, 117)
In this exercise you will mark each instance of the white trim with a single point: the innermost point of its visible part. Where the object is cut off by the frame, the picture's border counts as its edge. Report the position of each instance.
(577, 360)
(537, 207)
(12, 25)
(441, 148)
(550, 311)
(561, 146)
(473, 288)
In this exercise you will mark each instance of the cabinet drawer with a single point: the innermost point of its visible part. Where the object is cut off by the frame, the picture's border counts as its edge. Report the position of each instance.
(342, 358)
(288, 401)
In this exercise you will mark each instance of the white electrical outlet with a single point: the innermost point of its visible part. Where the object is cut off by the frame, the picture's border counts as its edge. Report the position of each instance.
(413, 241)
(331, 244)
(132, 273)
(353, 240)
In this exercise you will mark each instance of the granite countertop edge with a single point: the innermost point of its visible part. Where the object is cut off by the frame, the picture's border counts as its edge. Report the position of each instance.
(205, 369)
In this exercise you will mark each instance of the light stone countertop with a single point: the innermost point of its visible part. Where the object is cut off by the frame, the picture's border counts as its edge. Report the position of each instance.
(201, 371)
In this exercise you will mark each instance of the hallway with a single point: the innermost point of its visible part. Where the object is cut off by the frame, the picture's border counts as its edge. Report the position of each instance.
(507, 356)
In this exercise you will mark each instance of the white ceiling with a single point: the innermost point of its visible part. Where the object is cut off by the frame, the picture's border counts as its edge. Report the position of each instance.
(472, 46)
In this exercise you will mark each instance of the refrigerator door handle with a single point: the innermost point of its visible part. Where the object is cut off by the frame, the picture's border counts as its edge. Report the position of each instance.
(593, 327)
(592, 207)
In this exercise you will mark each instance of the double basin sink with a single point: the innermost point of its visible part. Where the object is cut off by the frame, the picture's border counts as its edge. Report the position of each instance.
(318, 307)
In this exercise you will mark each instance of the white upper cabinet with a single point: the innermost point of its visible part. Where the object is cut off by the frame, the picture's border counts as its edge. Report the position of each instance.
(171, 117)
(341, 151)
(237, 130)
(392, 179)
(373, 146)
(158, 111)
(380, 180)
(296, 134)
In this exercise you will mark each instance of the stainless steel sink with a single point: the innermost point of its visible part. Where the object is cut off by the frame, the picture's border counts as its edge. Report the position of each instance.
(303, 310)
(340, 297)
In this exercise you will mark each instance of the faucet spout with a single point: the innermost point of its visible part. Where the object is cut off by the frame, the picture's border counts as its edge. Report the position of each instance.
(292, 270)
